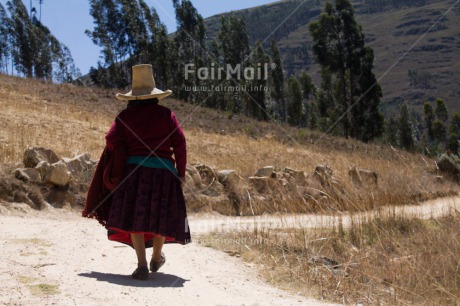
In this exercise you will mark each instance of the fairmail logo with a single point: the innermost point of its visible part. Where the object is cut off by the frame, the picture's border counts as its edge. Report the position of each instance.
(237, 72)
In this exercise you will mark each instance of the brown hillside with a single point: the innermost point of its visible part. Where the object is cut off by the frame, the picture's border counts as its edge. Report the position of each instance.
(73, 120)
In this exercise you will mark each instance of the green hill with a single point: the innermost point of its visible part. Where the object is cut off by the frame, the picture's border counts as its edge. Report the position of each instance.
(416, 44)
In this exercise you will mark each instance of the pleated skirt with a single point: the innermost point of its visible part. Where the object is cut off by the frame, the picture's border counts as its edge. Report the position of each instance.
(148, 201)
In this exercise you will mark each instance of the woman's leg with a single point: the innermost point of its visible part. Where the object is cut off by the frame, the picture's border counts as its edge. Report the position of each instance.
(139, 246)
(158, 242)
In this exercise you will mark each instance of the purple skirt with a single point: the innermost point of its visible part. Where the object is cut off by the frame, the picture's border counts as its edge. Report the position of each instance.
(148, 201)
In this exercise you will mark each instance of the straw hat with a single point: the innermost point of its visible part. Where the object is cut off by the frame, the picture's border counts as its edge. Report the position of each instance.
(143, 85)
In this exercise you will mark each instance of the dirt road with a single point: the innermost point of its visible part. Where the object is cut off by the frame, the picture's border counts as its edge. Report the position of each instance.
(61, 259)
(428, 209)
(55, 257)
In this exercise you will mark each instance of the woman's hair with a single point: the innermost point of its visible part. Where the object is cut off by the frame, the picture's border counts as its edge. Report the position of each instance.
(134, 103)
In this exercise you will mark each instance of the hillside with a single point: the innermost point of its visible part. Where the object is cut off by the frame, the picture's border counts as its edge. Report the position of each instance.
(72, 120)
(391, 32)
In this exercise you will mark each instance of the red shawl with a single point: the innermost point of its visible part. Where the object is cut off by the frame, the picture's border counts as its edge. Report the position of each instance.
(107, 176)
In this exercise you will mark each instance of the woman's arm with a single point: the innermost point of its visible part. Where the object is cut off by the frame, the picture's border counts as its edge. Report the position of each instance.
(115, 135)
(179, 146)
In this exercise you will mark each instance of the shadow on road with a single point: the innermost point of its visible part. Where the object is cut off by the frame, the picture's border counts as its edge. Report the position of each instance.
(157, 279)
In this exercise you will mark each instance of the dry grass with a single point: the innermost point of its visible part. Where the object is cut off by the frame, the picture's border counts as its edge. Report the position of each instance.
(64, 118)
(387, 260)
(44, 289)
(40, 289)
(403, 177)
(72, 120)
(12, 190)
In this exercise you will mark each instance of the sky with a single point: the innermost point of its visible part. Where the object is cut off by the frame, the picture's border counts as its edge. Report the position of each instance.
(68, 20)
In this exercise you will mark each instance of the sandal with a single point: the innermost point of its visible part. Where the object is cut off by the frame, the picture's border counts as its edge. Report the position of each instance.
(141, 273)
(155, 266)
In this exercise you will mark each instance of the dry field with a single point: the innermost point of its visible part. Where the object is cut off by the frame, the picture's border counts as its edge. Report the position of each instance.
(389, 259)
(386, 260)
(72, 120)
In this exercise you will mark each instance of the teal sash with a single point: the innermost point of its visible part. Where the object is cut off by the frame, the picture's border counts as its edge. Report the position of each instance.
(152, 162)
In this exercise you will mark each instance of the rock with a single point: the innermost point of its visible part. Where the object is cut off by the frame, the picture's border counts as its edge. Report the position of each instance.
(230, 179)
(323, 260)
(79, 163)
(32, 156)
(29, 175)
(222, 204)
(265, 171)
(58, 174)
(261, 184)
(215, 189)
(335, 187)
(449, 165)
(283, 182)
(281, 178)
(60, 198)
(188, 180)
(77, 186)
(235, 188)
(298, 175)
(332, 265)
(43, 167)
(323, 174)
(193, 175)
(362, 177)
(208, 175)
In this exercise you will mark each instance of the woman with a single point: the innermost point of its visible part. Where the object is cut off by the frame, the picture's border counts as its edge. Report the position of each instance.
(147, 206)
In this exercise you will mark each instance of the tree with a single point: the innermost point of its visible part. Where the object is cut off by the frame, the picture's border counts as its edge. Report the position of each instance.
(22, 37)
(455, 124)
(190, 48)
(439, 130)
(4, 38)
(66, 71)
(129, 33)
(36, 53)
(441, 111)
(107, 34)
(47, 50)
(40, 2)
(313, 120)
(294, 102)
(277, 77)
(234, 41)
(159, 46)
(406, 139)
(134, 35)
(325, 95)
(308, 92)
(338, 45)
(429, 118)
(392, 131)
(453, 143)
(256, 103)
(234, 44)
(308, 88)
(368, 121)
